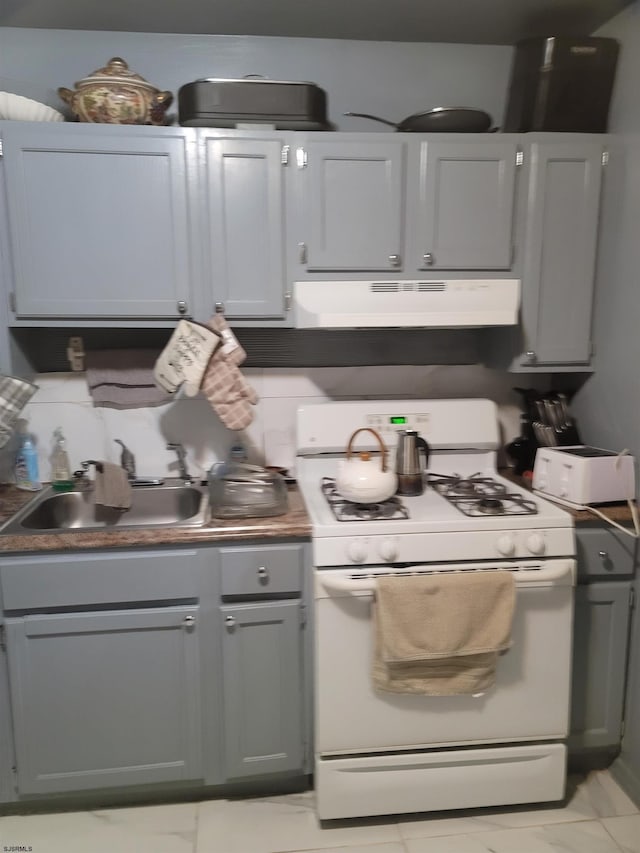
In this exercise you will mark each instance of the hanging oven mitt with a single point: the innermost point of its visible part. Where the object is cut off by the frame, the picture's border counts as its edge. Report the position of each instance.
(228, 392)
(185, 358)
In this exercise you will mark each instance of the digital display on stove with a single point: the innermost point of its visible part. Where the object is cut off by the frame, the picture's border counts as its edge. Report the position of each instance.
(397, 419)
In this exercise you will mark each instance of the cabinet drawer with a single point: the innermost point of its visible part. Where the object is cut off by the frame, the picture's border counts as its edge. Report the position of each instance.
(261, 570)
(76, 580)
(604, 552)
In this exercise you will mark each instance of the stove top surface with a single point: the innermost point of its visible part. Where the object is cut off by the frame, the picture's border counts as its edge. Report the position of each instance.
(451, 502)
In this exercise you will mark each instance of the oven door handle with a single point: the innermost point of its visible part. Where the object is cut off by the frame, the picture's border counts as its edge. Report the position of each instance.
(556, 570)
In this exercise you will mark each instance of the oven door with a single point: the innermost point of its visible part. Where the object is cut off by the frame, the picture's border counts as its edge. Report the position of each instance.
(530, 699)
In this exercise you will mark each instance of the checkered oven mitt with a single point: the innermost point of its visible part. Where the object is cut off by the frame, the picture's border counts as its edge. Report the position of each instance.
(230, 395)
(185, 358)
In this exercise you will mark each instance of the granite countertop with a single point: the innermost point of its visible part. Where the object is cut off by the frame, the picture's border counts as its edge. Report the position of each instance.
(618, 512)
(295, 523)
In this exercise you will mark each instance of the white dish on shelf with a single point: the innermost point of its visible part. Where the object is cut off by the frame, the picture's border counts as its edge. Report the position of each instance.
(17, 108)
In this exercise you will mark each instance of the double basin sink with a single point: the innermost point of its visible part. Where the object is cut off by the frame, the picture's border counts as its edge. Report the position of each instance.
(170, 504)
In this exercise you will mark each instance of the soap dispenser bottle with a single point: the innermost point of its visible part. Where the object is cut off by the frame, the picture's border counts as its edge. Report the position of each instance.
(26, 469)
(61, 479)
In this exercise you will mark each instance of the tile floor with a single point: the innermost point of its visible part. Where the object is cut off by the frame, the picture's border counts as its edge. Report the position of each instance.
(598, 818)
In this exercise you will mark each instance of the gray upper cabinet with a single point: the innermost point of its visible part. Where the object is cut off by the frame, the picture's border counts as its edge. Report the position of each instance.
(465, 206)
(105, 699)
(244, 181)
(561, 228)
(99, 223)
(353, 205)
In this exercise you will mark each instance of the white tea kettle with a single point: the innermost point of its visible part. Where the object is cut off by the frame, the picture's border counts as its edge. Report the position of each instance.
(365, 480)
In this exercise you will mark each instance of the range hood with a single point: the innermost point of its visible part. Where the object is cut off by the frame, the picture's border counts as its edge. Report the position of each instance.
(441, 304)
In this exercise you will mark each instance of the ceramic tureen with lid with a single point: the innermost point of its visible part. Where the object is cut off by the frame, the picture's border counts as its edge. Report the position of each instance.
(116, 95)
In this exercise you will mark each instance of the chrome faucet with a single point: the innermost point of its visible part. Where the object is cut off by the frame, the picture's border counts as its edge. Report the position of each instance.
(127, 459)
(182, 462)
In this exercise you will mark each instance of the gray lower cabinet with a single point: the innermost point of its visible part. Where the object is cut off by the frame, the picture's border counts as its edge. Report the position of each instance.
(601, 635)
(185, 667)
(465, 208)
(603, 606)
(98, 220)
(263, 687)
(243, 181)
(265, 659)
(105, 699)
(7, 755)
(560, 242)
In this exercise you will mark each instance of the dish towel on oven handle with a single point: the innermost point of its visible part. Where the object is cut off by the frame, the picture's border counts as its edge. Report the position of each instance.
(184, 359)
(224, 386)
(441, 634)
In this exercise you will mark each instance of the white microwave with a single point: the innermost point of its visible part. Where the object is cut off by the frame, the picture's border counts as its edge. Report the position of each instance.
(584, 475)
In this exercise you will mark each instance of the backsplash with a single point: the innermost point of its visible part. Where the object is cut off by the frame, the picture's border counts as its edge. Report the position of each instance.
(63, 400)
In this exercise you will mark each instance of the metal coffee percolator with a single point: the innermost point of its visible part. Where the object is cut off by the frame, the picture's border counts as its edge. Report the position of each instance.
(410, 471)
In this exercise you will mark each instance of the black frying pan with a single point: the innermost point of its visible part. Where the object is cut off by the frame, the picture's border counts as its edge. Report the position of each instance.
(439, 119)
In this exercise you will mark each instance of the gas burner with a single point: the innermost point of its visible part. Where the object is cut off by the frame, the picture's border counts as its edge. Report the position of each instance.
(345, 510)
(480, 495)
(477, 485)
(491, 506)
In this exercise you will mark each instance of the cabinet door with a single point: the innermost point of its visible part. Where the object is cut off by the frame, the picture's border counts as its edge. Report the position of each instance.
(105, 699)
(354, 204)
(98, 222)
(263, 702)
(601, 630)
(560, 251)
(7, 758)
(244, 238)
(465, 207)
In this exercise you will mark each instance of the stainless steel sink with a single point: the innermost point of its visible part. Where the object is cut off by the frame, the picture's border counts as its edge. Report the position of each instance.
(171, 504)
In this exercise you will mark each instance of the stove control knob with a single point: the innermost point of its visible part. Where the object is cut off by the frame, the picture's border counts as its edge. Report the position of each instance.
(506, 545)
(536, 543)
(388, 550)
(357, 551)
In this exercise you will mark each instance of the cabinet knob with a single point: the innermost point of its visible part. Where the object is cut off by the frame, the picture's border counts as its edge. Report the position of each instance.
(428, 259)
(263, 574)
(189, 622)
(230, 621)
(530, 356)
(395, 260)
(604, 555)
(182, 307)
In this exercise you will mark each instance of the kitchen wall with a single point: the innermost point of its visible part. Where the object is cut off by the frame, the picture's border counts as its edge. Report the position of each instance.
(609, 402)
(63, 400)
(608, 405)
(392, 79)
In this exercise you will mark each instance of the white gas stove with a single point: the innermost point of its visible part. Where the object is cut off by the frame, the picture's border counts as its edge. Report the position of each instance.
(467, 511)
(390, 753)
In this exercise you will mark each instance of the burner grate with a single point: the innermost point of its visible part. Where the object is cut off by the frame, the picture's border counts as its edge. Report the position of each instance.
(480, 496)
(345, 510)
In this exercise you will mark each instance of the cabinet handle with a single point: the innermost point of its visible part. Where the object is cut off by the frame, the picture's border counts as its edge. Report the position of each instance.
(428, 259)
(302, 253)
(189, 622)
(230, 622)
(395, 260)
(530, 356)
(263, 574)
(182, 307)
